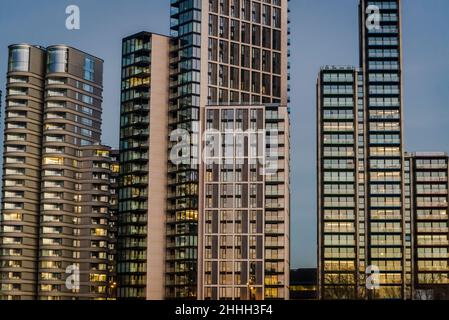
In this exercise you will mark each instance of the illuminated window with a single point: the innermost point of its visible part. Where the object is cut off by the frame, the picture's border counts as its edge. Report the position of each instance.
(96, 277)
(102, 153)
(54, 160)
(99, 232)
(12, 217)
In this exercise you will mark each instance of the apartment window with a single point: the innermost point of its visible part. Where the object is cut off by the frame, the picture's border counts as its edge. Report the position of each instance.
(89, 69)
(18, 79)
(55, 105)
(15, 149)
(53, 173)
(87, 99)
(245, 33)
(87, 122)
(18, 92)
(223, 76)
(15, 171)
(276, 40)
(16, 125)
(13, 206)
(56, 81)
(86, 132)
(17, 103)
(15, 160)
(85, 142)
(54, 160)
(14, 241)
(85, 87)
(57, 60)
(84, 110)
(52, 230)
(59, 150)
(17, 114)
(12, 216)
(53, 195)
(52, 207)
(16, 137)
(56, 93)
(14, 183)
(277, 17)
(54, 138)
(19, 59)
(266, 38)
(224, 27)
(99, 232)
(54, 127)
(14, 194)
(256, 12)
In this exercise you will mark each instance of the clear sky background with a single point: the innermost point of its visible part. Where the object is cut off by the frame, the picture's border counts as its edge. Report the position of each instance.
(324, 32)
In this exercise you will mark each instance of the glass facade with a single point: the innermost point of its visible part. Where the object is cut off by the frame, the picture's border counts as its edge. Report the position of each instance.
(89, 69)
(381, 63)
(247, 59)
(364, 124)
(340, 217)
(19, 59)
(57, 60)
(182, 219)
(244, 53)
(191, 88)
(245, 225)
(382, 231)
(426, 197)
(134, 169)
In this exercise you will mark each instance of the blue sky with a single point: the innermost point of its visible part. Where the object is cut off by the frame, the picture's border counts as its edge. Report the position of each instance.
(323, 32)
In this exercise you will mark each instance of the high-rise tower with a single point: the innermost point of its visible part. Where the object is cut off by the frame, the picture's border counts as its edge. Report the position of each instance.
(363, 227)
(143, 167)
(225, 56)
(382, 213)
(54, 226)
(21, 197)
(387, 225)
(426, 200)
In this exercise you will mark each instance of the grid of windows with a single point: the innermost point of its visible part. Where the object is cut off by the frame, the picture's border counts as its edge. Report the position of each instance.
(396, 222)
(426, 183)
(134, 166)
(245, 220)
(385, 184)
(183, 189)
(244, 52)
(52, 209)
(338, 185)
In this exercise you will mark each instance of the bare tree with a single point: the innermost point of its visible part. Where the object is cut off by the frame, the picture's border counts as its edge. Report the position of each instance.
(339, 287)
(431, 288)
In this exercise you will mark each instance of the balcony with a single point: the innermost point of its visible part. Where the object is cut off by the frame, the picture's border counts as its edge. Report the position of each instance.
(431, 204)
(142, 61)
(432, 230)
(431, 179)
